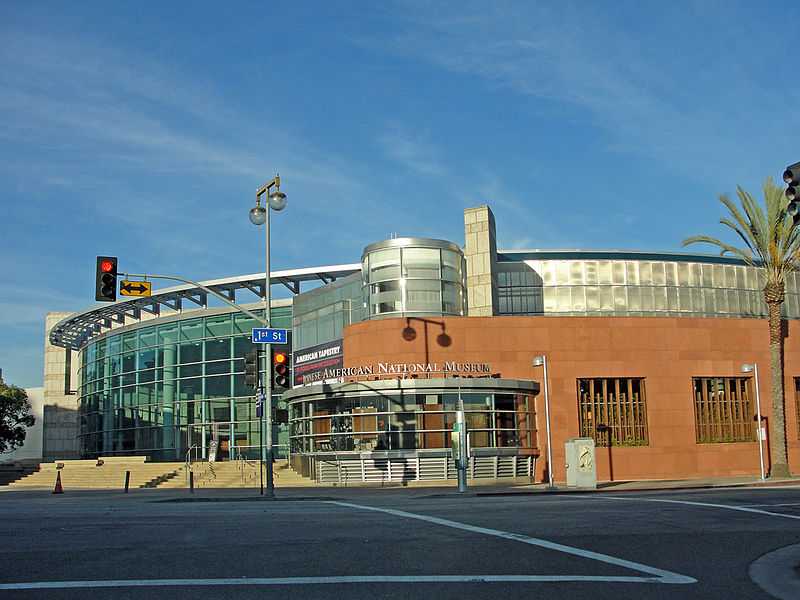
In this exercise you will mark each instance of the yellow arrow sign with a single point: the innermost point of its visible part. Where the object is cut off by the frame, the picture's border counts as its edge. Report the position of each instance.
(135, 288)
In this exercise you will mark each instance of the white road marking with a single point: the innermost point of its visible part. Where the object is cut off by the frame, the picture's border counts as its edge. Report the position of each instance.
(780, 504)
(248, 581)
(703, 504)
(659, 575)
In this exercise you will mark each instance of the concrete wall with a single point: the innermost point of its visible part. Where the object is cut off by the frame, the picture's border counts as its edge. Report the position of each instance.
(60, 411)
(668, 352)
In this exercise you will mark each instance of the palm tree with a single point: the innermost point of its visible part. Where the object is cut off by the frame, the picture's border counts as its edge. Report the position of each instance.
(772, 244)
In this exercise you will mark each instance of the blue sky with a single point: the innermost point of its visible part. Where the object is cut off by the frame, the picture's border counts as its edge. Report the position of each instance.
(141, 130)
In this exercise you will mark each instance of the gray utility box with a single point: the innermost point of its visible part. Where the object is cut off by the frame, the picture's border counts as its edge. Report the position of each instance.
(581, 466)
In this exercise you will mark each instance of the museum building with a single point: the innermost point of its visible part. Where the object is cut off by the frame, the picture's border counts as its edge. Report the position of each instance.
(643, 350)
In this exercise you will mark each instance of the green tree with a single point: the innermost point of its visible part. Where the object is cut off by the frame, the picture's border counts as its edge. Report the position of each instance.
(771, 244)
(15, 416)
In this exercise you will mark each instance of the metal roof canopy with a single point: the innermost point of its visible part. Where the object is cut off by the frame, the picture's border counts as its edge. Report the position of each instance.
(75, 331)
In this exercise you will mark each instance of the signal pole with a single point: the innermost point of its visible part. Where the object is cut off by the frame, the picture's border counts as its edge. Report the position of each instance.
(259, 215)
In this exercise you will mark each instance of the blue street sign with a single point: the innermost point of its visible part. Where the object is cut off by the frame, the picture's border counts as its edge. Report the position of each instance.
(267, 335)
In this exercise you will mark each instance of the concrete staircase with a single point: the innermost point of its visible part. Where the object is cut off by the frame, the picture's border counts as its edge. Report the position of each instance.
(109, 473)
(237, 474)
(12, 471)
(105, 473)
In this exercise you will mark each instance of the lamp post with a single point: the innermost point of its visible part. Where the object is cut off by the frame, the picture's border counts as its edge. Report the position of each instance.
(541, 361)
(753, 368)
(259, 215)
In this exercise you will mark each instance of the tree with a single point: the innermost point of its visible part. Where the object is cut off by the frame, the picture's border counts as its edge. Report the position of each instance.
(15, 417)
(772, 243)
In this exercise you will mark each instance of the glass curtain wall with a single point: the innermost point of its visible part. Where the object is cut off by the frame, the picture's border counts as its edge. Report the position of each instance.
(413, 275)
(321, 314)
(636, 287)
(159, 390)
(410, 421)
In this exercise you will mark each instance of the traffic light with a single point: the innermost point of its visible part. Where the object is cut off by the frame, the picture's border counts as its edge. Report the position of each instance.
(280, 369)
(792, 178)
(106, 279)
(251, 368)
(280, 416)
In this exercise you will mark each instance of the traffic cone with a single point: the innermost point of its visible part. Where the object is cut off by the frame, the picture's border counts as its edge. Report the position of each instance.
(58, 489)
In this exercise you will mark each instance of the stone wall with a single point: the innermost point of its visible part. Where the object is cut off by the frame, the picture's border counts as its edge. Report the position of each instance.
(480, 253)
(60, 414)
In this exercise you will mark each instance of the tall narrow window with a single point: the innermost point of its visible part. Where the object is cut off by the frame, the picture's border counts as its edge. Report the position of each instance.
(796, 403)
(723, 410)
(613, 410)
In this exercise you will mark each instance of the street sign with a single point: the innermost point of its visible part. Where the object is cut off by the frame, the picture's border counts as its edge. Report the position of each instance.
(267, 335)
(260, 404)
(135, 288)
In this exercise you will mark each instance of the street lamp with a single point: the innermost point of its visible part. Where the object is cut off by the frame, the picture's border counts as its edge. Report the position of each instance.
(753, 368)
(276, 200)
(541, 361)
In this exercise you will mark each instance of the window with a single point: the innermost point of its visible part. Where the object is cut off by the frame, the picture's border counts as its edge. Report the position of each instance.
(613, 411)
(722, 409)
(796, 403)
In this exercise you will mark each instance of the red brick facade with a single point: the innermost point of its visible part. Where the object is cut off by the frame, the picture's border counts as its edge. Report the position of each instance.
(668, 352)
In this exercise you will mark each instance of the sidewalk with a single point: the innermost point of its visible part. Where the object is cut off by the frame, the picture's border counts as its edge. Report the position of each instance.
(431, 489)
(657, 485)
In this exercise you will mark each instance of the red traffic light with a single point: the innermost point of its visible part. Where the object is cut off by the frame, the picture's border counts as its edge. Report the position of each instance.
(106, 279)
(279, 358)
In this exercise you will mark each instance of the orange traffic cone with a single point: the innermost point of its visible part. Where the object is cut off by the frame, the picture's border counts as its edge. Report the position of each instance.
(58, 489)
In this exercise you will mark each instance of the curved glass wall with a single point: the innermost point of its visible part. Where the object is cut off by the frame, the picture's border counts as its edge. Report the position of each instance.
(636, 288)
(412, 416)
(161, 389)
(414, 275)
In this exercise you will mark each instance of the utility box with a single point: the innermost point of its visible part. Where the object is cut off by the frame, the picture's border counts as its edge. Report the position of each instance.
(581, 465)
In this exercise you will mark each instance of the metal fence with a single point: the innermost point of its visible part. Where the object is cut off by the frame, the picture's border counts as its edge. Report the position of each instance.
(366, 469)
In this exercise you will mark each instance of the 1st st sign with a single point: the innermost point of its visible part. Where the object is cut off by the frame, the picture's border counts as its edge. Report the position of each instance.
(269, 335)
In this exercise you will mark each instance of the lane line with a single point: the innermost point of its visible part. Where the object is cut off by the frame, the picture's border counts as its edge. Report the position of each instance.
(659, 575)
(262, 581)
(780, 504)
(703, 504)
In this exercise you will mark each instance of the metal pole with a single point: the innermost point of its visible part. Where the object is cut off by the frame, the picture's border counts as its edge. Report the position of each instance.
(462, 445)
(547, 424)
(267, 411)
(261, 436)
(758, 413)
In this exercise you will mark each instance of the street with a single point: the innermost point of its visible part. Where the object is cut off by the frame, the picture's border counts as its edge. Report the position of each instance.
(394, 544)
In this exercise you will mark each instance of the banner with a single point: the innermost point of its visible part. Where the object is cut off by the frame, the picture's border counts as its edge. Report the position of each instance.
(309, 365)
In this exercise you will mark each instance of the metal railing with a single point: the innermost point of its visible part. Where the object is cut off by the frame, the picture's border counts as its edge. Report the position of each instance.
(361, 469)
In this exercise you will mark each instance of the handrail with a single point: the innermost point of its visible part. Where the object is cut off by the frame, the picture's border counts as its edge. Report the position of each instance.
(188, 461)
(189, 455)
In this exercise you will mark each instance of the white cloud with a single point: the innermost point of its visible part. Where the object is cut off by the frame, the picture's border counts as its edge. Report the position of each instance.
(654, 97)
(412, 151)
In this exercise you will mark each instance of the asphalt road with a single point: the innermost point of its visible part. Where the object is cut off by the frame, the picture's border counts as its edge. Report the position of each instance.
(394, 544)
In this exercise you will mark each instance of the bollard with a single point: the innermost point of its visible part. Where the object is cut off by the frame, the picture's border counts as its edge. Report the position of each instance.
(191, 482)
(127, 480)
